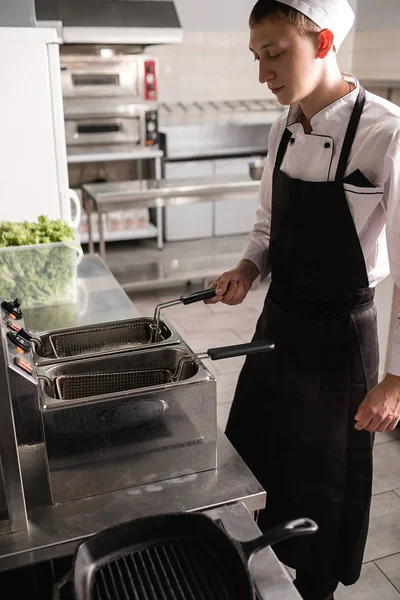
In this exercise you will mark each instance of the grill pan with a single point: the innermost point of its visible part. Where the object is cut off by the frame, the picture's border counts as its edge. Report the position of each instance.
(178, 556)
(88, 385)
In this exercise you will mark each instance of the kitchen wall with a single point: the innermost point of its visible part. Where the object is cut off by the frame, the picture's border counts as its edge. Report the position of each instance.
(217, 65)
(17, 13)
(377, 47)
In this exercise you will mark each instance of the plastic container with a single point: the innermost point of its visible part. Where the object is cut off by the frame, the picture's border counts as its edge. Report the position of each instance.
(40, 274)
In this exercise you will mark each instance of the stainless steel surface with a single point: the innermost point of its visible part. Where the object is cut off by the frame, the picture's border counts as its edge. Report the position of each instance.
(162, 359)
(165, 192)
(190, 141)
(106, 197)
(55, 530)
(113, 22)
(103, 393)
(100, 299)
(256, 169)
(110, 102)
(111, 153)
(117, 336)
(85, 76)
(13, 515)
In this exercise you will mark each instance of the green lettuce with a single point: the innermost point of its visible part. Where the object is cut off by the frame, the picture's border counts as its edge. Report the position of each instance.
(43, 274)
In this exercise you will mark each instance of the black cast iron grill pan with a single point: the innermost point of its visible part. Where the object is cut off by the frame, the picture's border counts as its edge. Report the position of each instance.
(178, 556)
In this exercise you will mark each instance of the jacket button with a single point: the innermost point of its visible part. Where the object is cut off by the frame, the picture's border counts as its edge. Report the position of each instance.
(292, 140)
(327, 145)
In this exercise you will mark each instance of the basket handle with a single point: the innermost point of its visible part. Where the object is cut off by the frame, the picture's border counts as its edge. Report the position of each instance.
(240, 350)
(197, 296)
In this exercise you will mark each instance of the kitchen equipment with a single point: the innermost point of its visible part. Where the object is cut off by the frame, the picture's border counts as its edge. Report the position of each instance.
(256, 169)
(103, 338)
(108, 22)
(185, 299)
(31, 65)
(110, 101)
(94, 445)
(97, 384)
(179, 555)
(103, 395)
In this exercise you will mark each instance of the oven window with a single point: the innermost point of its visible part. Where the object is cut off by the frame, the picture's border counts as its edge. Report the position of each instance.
(82, 80)
(100, 128)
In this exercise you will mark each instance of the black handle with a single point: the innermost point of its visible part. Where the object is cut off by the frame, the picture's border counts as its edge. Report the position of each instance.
(240, 350)
(278, 534)
(197, 296)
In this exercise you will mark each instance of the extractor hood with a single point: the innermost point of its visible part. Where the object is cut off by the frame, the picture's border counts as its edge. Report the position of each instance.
(141, 22)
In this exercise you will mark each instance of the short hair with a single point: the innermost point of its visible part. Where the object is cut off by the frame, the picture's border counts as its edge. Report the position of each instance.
(272, 9)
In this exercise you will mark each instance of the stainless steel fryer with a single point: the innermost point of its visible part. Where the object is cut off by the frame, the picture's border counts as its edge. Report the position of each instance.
(125, 438)
(105, 378)
(99, 339)
(108, 338)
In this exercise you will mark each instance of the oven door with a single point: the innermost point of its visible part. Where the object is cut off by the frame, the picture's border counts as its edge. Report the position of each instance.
(103, 130)
(88, 80)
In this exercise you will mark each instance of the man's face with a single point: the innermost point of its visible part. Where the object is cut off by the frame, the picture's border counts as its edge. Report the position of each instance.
(289, 62)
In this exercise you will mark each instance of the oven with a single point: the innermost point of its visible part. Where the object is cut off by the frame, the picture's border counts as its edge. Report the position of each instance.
(110, 99)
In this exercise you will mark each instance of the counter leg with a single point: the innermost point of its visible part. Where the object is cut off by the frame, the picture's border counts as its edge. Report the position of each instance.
(158, 173)
(101, 236)
(160, 227)
(87, 205)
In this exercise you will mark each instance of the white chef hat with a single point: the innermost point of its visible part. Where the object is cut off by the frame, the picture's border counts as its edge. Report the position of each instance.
(335, 15)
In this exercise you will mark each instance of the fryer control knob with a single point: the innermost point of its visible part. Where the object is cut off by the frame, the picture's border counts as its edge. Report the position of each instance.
(13, 309)
(21, 340)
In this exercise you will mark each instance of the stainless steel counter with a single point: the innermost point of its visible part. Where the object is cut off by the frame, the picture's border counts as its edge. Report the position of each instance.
(54, 530)
(100, 299)
(159, 193)
(230, 492)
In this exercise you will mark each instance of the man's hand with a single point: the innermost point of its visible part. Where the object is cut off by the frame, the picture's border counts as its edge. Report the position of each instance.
(233, 286)
(380, 411)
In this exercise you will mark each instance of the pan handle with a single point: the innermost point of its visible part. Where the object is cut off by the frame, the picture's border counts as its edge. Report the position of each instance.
(278, 534)
(240, 350)
(197, 296)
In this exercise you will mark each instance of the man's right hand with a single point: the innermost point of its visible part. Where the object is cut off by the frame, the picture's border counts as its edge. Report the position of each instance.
(233, 286)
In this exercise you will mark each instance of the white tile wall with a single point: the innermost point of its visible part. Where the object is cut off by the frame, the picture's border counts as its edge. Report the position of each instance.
(377, 54)
(217, 65)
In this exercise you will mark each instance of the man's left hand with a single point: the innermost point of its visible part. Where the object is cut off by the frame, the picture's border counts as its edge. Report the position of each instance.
(380, 411)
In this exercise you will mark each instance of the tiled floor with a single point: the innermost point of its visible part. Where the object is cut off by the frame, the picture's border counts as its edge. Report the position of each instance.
(206, 326)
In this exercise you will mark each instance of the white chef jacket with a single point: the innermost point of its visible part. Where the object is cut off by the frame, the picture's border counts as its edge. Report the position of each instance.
(314, 157)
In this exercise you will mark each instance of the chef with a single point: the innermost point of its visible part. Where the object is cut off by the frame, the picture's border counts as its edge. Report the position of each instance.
(327, 230)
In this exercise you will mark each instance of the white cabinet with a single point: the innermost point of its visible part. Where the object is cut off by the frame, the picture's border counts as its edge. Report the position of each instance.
(193, 221)
(234, 216)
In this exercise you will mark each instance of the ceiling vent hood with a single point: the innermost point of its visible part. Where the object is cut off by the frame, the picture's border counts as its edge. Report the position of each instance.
(141, 22)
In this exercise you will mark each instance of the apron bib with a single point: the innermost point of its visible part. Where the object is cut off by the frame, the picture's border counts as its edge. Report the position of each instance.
(292, 418)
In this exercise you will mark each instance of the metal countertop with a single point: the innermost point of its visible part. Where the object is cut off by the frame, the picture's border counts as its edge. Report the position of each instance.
(100, 299)
(55, 530)
(167, 192)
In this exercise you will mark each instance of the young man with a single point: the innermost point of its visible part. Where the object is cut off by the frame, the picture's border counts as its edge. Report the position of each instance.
(304, 416)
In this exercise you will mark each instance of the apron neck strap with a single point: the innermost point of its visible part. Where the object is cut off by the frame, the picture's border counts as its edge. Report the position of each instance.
(350, 135)
(287, 134)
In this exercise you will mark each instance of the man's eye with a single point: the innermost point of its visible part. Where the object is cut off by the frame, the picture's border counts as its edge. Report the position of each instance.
(256, 58)
(272, 56)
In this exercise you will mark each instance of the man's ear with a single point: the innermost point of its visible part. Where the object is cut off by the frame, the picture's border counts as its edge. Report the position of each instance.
(326, 42)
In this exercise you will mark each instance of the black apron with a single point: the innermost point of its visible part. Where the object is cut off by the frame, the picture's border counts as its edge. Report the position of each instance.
(292, 418)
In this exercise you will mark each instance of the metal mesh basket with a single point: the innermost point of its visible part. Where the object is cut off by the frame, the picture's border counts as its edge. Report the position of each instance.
(106, 338)
(73, 387)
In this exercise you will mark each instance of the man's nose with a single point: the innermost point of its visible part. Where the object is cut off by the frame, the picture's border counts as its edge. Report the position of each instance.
(265, 74)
